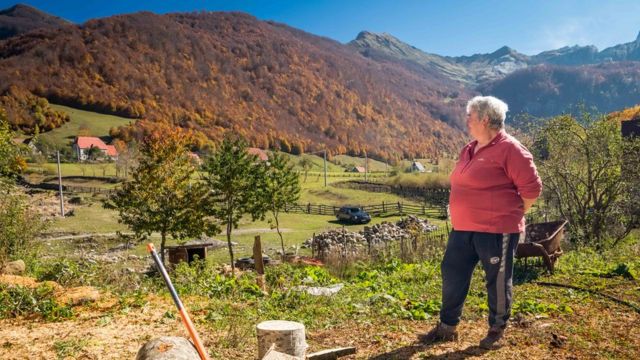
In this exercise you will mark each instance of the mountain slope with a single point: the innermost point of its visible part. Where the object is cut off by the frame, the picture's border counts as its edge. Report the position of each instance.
(20, 19)
(545, 84)
(385, 46)
(216, 72)
(547, 90)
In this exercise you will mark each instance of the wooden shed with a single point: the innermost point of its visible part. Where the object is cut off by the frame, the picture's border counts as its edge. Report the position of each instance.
(188, 251)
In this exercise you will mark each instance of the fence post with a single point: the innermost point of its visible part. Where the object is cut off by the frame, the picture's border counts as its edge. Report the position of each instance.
(384, 210)
(258, 262)
(308, 208)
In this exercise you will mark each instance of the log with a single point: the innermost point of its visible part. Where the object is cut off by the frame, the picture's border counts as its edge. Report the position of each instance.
(288, 337)
(332, 354)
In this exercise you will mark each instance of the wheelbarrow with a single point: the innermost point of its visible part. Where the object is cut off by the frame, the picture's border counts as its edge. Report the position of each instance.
(543, 240)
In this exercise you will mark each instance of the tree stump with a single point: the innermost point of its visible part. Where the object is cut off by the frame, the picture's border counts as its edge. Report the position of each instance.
(288, 337)
(168, 348)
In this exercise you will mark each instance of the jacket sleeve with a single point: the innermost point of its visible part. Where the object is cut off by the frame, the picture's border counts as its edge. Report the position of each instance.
(522, 171)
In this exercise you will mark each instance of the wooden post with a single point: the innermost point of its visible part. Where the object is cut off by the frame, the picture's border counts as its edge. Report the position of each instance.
(259, 263)
(313, 246)
(324, 157)
(60, 185)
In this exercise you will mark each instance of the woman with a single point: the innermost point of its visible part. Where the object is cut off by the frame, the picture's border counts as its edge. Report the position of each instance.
(493, 185)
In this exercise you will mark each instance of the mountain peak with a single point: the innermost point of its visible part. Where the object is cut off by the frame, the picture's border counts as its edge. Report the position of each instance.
(22, 10)
(505, 50)
(21, 18)
(364, 34)
(378, 37)
(638, 37)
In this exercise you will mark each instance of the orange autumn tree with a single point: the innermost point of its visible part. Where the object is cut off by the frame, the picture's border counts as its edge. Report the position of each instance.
(161, 197)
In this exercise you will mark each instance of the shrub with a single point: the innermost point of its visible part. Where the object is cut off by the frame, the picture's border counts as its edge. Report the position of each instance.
(20, 301)
(19, 223)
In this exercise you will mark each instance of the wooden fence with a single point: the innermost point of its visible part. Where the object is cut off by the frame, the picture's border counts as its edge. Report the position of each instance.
(66, 188)
(437, 197)
(397, 208)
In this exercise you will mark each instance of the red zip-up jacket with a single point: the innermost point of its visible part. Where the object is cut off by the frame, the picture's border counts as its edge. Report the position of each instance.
(487, 188)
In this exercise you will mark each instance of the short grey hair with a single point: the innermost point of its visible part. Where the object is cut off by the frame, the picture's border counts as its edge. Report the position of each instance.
(490, 106)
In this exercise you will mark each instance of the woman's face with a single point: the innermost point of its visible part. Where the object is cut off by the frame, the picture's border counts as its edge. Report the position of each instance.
(477, 127)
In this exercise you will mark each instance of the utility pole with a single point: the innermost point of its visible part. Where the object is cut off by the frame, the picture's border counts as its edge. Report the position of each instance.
(366, 166)
(60, 185)
(324, 152)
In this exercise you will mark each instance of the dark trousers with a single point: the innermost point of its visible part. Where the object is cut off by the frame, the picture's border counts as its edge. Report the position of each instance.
(464, 250)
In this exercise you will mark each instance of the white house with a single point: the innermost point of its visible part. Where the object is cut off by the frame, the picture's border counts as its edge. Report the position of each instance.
(416, 166)
(82, 144)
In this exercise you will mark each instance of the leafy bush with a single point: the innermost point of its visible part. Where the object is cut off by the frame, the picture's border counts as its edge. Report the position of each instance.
(590, 174)
(19, 223)
(21, 301)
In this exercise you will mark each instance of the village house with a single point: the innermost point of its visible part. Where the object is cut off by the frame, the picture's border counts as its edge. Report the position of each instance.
(357, 169)
(83, 144)
(261, 154)
(417, 166)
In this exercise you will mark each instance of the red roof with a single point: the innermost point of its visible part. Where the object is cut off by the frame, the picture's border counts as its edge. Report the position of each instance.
(259, 153)
(111, 150)
(87, 142)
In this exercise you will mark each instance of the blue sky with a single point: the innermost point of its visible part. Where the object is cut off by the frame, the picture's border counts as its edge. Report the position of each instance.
(454, 27)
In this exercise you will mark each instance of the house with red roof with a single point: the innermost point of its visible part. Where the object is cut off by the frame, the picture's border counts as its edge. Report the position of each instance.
(261, 154)
(83, 144)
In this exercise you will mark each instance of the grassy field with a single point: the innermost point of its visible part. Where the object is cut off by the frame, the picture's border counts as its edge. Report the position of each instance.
(73, 169)
(91, 217)
(317, 163)
(350, 161)
(97, 125)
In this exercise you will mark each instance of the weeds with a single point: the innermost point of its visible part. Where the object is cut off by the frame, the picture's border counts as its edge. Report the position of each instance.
(21, 301)
(69, 348)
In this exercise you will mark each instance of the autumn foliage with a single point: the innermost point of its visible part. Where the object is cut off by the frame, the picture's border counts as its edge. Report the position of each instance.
(277, 86)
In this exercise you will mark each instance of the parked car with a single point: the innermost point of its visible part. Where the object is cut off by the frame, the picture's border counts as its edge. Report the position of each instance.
(353, 214)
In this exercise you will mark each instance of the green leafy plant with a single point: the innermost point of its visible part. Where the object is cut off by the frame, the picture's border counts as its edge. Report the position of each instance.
(69, 348)
(234, 180)
(20, 301)
(161, 196)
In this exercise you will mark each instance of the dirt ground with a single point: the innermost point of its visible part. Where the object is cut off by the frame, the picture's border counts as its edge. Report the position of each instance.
(594, 331)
